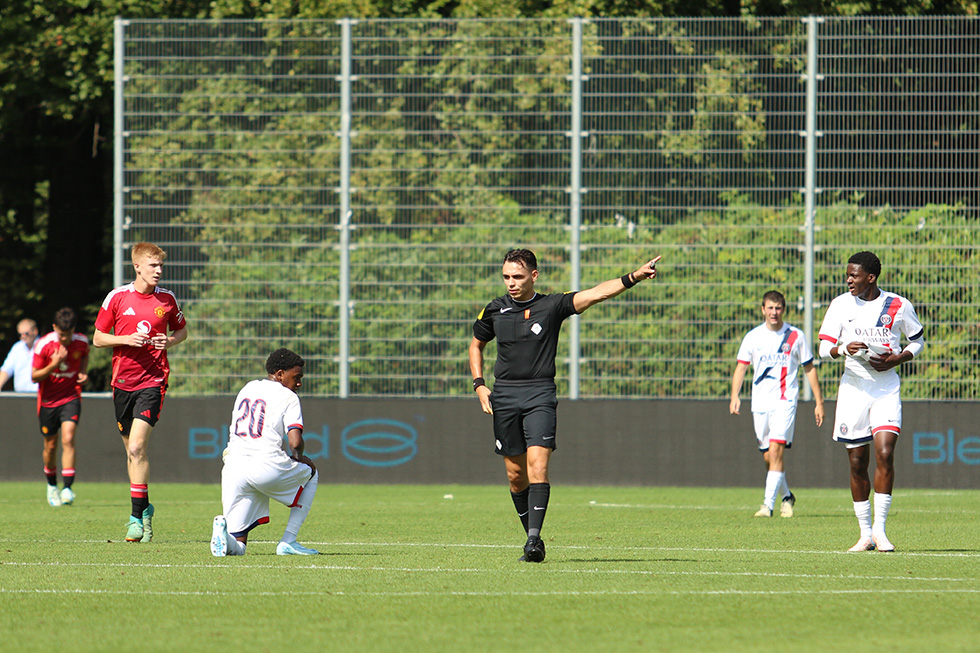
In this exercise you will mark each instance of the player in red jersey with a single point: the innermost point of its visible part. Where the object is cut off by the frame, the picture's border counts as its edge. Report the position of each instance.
(135, 320)
(59, 368)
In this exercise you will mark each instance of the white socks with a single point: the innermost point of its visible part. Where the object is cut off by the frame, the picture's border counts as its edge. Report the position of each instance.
(882, 504)
(774, 481)
(235, 548)
(298, 514)
(783, 490)
(862, 510)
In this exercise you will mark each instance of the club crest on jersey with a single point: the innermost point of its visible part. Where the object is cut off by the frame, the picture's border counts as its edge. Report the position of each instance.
(160, 311)
(843, 429)
(785, 348)
(885, 320)
(536, 328)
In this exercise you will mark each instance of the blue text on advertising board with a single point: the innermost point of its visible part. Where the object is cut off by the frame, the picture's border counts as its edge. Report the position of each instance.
(938, 448)
(371, 442)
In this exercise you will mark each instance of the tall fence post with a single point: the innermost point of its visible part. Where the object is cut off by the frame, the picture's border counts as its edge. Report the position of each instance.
(575, 206)
(810, 189)
(344, 225)
(118, 147)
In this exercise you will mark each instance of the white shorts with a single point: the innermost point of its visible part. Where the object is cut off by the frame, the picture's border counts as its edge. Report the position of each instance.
(777, 425)
(863, 409)
(247, 484)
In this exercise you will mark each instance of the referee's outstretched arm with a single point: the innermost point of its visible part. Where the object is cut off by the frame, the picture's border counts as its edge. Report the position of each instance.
(607, 289)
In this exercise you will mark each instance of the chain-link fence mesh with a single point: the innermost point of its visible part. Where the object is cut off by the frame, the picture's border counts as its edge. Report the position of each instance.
(454, 141)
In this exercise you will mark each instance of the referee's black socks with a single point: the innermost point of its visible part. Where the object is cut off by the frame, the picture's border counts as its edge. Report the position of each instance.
(537, 499)
(520, 502)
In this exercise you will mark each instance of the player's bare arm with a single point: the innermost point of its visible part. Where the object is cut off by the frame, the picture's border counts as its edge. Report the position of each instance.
(101, 339)
(738, 376)
(885, 363)
(38, 374)
(609, 289)
(811, 376)
(82, 377)
(296, 442)
(476, 369)
(163, 341)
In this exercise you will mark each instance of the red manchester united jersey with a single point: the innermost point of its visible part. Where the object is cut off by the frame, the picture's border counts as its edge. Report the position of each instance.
(126, 311)
(61, 386)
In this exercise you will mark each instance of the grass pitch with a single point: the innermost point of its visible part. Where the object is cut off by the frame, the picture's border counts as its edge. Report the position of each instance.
(434, 568)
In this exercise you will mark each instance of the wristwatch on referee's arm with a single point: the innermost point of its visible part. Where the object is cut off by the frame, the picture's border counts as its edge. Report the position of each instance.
(477, 382)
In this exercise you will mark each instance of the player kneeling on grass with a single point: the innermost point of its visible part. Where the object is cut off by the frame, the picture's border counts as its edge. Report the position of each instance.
(257, 468)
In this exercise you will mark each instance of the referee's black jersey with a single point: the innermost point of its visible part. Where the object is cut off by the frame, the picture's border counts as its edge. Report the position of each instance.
(527, 334)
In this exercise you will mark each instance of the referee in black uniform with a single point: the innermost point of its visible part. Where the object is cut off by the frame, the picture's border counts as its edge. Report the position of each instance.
(526, 326)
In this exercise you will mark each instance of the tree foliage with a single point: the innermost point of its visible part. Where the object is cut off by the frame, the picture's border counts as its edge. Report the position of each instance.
(56, 82)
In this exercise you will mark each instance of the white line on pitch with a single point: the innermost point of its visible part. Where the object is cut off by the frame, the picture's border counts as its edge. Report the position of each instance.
(729, 592)
(495, 570)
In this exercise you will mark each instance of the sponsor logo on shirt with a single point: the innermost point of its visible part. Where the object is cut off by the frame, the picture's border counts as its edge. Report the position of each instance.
(129, 311)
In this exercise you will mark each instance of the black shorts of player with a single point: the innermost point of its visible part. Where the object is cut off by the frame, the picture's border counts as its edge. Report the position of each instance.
(51, 419)
(524, 415)
(142, 404)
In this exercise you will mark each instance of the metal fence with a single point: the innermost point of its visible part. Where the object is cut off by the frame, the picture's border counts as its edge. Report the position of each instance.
(349, 188)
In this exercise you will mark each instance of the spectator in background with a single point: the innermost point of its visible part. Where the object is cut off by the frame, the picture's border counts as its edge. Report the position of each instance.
(60, 369)
(18, 361)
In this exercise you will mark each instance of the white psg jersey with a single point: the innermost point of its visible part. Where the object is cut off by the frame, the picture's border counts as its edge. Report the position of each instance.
(878, 323)
(264, 413)
(776, 357)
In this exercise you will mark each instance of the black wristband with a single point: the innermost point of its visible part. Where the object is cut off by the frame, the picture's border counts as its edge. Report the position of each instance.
(627, 280)
(478, 381)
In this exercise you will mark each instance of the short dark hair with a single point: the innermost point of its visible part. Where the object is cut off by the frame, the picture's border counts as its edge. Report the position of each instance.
(523, 256)
(868, 261)
(65, 319)
(283, 359)
(775, 297)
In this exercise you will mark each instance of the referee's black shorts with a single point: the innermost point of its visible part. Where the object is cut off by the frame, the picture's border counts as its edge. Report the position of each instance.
(524, 415)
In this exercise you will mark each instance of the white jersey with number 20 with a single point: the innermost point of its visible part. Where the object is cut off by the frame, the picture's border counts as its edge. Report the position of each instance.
(265, 411)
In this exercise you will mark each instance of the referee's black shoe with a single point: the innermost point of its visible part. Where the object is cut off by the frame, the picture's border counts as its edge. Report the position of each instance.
(533, 550)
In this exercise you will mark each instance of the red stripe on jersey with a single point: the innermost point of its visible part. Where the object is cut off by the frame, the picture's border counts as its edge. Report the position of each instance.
(832, 339)
(791, 338)
(295, 502)
(893, 307)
